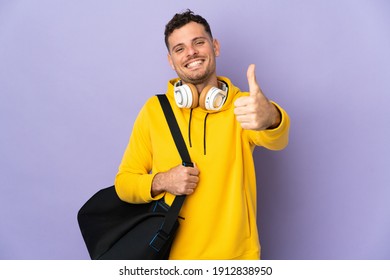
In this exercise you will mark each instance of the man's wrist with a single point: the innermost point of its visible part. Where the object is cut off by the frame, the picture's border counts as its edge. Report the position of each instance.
(157, 185)
(277, 117)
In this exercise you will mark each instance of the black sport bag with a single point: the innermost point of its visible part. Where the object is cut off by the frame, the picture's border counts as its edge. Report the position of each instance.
(114, 229)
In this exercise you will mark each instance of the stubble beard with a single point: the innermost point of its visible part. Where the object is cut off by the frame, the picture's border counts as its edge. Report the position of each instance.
(198, 78)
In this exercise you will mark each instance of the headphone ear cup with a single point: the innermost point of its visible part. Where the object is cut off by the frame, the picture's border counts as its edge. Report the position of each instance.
(195, 96)
(203, 96)
(186, 96)
(212, 98)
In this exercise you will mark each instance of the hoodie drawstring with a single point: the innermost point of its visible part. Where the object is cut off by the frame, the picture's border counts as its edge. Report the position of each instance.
(204, 131)
(204, 134)
(189, 128)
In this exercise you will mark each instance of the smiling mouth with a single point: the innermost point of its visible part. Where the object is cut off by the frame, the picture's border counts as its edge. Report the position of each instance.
(194, 64)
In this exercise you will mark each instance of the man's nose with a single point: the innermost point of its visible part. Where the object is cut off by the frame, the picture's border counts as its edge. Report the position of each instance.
(191, 51)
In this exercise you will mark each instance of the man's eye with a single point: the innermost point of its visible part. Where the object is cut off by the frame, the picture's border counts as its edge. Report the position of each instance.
(199, 43)
(178, 50)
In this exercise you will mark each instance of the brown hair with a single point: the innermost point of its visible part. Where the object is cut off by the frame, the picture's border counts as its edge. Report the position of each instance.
(179, 20)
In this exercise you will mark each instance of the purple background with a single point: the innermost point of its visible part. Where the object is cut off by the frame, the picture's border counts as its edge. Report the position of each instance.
(74, 74)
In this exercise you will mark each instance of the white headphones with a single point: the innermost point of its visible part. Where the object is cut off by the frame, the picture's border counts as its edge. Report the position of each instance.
(211, 98)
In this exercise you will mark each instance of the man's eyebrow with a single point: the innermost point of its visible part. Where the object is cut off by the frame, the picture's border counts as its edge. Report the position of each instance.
(200, 37)
(194, 39)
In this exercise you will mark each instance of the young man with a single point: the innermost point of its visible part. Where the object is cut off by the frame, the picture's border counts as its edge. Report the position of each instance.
(221, 126)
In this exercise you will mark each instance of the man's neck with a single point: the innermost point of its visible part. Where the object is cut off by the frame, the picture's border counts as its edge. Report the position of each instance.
(213, 81)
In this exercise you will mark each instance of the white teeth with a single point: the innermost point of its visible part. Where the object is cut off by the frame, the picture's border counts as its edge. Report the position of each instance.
(194, 64)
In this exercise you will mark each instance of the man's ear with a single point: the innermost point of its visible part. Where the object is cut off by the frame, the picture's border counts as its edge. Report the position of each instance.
(170, 61)
(217, 47)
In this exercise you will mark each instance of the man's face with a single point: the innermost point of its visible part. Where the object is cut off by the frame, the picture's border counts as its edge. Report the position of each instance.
(192, 54)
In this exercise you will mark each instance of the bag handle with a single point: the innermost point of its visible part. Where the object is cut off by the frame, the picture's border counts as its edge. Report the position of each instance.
(173, 212)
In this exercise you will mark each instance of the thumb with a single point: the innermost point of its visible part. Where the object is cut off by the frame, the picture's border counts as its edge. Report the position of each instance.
(252, 82)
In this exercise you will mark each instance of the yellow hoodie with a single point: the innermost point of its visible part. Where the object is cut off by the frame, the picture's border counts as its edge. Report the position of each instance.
(220, 216)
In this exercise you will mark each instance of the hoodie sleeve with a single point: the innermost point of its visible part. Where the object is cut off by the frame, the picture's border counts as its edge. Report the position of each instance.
(134, 178)
(273, 139)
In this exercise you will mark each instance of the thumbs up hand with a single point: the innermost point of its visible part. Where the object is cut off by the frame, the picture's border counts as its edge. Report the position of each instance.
(255, 112)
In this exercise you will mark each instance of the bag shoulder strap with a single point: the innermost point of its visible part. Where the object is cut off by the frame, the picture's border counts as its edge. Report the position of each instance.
(173, 212)
(175, 130)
